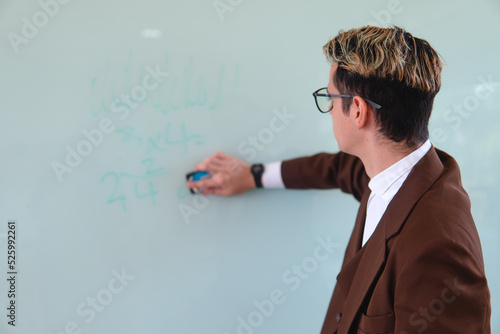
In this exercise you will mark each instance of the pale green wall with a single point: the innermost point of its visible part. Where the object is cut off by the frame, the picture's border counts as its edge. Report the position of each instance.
(228, 78)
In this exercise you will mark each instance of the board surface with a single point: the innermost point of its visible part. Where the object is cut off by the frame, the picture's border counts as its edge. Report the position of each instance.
(105, 106)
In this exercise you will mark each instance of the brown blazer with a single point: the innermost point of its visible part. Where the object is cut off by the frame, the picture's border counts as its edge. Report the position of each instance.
(422, 269)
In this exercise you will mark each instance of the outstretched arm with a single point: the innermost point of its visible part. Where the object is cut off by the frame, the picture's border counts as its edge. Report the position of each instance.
(232, 176)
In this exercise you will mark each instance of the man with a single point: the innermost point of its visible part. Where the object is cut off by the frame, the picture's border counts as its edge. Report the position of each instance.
(414, 261)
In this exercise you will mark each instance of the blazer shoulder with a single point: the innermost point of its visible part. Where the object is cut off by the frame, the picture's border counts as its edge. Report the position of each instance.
(443, 213)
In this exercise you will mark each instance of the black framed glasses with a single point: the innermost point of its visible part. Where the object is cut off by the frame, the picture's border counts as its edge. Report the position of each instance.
(324, 100)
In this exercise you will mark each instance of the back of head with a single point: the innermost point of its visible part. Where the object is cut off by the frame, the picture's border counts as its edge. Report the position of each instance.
(400, 72)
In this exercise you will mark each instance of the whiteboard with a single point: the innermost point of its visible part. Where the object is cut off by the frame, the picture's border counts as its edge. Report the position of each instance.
(107, 105)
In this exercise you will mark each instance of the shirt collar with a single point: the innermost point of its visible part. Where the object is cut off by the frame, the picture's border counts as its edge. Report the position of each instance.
(381, 184)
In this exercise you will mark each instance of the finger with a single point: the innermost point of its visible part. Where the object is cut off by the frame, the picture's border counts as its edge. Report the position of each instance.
(215, 191)
(215, 163)
(212, 162)
(202, 165)
(209, 191)
(199, 185)
(214, 166)
(220, 155)
(206, 183)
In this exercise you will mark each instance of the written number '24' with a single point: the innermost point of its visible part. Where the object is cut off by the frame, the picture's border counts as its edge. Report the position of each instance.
(117, 194)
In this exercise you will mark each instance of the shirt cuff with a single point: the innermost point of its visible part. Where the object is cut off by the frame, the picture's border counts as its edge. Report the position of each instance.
(271, 178)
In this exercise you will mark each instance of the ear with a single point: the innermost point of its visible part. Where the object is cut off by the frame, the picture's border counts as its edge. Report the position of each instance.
(360, 112)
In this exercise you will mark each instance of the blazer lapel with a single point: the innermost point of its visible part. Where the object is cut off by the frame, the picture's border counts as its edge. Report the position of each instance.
(361, 267)
(371, 261)
(349, 267)
(420, 179)
(354, 244)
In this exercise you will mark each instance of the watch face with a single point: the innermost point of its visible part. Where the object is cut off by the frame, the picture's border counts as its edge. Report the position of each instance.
(257, 169)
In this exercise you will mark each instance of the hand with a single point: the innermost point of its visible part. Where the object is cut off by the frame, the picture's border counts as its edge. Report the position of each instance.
(230, 176)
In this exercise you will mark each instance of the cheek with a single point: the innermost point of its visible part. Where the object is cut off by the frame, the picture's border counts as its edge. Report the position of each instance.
(335, 126)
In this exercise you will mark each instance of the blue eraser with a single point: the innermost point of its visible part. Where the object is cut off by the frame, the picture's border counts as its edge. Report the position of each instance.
(197, 176)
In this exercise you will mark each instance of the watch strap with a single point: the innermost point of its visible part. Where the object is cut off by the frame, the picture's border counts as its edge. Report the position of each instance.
(257, 171)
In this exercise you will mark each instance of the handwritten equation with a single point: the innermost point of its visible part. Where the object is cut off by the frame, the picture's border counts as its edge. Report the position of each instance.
(124, 185)
(142, 149)
(182, 89)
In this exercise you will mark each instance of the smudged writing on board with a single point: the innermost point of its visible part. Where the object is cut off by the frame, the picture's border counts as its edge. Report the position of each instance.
(181, 91)
(95, 137)
(142, 184)
(126, 186)
(159, 141)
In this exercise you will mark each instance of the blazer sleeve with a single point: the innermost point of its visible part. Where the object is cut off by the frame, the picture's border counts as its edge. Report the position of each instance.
(326, 171)
(442, 289)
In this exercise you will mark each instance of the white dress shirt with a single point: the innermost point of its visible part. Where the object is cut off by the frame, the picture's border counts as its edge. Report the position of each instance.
(383, 186)
(386, 184)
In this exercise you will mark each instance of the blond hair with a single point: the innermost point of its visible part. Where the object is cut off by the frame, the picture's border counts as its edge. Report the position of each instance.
(389, 53)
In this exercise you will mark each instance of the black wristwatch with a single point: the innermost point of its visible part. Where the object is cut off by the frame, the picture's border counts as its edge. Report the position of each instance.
(257, 171)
